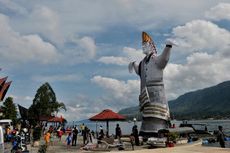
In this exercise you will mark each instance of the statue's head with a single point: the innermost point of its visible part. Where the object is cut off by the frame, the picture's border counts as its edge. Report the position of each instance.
(148, 45)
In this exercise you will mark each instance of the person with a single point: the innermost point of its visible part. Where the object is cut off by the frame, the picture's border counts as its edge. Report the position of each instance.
(101, 133)
(85, 135)
(68, 140)
(93, 134)
(220, 136)
(82, 127)
(118, 132)
(52, 138)
(47, 137)
(135, 135)
(75, 133)
(59, 133)
(152, 100)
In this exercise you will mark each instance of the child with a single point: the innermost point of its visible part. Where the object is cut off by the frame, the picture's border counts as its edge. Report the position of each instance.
(47, 138)
(69, 140)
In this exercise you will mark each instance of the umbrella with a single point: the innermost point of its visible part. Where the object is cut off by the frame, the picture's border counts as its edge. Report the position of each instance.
(107, 115)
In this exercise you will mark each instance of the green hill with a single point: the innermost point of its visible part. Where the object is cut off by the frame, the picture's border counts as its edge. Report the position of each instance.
(212, 102)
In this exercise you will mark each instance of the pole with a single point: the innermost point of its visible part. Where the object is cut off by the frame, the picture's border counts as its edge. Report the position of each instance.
(96, 131)
(107, 127)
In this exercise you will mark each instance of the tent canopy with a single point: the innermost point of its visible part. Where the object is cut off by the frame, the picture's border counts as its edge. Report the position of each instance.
(56, 119)
(107, 115)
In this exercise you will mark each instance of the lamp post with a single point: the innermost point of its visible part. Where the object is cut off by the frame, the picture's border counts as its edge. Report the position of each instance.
(134, 121)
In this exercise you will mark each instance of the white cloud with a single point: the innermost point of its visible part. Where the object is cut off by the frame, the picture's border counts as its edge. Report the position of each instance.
(82, 50)
(129, 55)
(81, 107)
(219, 12)
(201, 70)
(206, 47)
(12, 7)
(121, 90)
(200, 35)
(113, 60)
(45, 21)
(22, 48)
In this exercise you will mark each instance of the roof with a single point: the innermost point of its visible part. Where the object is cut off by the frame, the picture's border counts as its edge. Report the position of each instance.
(56, 119)
(44, 118)
(107, 115)
(2, 82)
(4, 90)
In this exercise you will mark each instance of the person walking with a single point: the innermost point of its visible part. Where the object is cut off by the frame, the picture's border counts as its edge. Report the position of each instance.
(136, 135)
(220, 137)
(118, 132)
(47, 137)
(75, 133)
(68, 140)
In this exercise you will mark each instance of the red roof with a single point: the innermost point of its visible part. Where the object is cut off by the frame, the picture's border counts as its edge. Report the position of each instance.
(4, 90)
(107, 115)
(2, 82)
(45, 118)
(56, 119)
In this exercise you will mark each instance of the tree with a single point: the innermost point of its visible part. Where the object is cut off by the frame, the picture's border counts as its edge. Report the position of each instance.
(9, 109)
(45, 102)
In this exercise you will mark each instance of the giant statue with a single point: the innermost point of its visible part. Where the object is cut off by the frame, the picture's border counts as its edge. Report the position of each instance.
(152, 100)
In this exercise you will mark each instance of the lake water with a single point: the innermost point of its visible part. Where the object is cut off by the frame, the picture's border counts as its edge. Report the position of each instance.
(126, 127)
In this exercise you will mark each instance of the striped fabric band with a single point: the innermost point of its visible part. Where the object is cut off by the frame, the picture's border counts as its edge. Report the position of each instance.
(157, 111)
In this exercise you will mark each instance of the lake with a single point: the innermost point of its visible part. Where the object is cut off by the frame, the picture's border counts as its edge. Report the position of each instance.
(126, 127)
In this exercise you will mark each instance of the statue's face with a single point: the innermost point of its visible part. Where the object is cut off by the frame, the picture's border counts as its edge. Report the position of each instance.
(146, 48)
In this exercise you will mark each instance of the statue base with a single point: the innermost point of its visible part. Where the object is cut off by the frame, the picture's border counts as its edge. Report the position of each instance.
(150, 127)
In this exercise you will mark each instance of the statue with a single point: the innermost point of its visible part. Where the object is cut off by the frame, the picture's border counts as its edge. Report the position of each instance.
(153, 104)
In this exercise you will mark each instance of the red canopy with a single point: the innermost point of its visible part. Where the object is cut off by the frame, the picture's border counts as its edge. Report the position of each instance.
(107, 115)
(56, 119)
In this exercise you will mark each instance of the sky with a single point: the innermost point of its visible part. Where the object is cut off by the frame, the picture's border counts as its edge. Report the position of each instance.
(82, 48)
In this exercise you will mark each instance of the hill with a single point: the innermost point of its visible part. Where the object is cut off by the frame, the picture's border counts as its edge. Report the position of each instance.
(211, 102)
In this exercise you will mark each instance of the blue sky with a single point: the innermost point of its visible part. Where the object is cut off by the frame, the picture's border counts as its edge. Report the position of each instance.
(82, 48)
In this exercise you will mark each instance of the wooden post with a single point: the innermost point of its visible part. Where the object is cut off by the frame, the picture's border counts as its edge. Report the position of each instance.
(107, 127)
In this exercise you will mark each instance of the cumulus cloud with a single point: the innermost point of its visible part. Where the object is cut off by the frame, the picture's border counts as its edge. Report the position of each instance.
(128, 55)
(80, 50)
(200, 35)
(22, 48)
(12, 7)
(219, 12)
(81, 107)
(119, 90)
(207, 58)
(45, 21)
(201, 70)
(113, 60)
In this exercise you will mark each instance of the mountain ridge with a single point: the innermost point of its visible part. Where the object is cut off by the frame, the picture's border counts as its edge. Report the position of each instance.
(209, 102)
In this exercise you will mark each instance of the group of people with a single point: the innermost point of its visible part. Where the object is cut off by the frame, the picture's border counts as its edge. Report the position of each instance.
(58, 132)
(118, 134)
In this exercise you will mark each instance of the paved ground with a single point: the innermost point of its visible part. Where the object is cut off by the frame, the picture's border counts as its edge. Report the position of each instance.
(60, 147)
